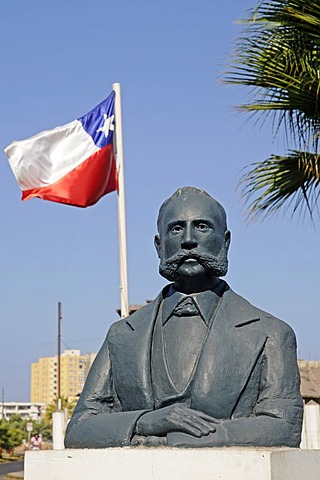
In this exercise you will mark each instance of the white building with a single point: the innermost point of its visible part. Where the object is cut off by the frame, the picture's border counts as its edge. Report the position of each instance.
(27, 410)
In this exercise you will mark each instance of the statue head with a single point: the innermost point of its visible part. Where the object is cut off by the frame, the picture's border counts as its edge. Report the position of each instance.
(193, 239)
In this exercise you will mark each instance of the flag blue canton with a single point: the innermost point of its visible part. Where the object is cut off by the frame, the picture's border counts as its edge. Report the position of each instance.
(96, 122)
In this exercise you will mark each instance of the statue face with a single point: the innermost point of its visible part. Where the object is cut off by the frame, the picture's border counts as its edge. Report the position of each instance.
(193, 240)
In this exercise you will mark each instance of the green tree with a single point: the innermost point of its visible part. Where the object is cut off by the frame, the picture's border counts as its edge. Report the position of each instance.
(14, 430)
(44, 427)
(278, 58)
(5, 437)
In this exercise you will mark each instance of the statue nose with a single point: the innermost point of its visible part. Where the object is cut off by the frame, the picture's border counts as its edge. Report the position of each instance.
(188, 241)
(189, 244)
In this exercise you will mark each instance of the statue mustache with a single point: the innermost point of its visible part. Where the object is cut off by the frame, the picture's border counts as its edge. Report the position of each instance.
(180, 257)
(213, 264)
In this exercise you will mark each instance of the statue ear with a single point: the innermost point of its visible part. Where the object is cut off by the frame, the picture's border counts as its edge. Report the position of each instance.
(227, 238)
(157, 244)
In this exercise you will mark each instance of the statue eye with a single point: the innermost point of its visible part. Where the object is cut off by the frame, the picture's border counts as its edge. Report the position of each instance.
(176, 229)
(203, 227)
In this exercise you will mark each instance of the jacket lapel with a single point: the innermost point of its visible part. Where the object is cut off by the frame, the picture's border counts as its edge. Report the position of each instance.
(228, 356)
(131, 350)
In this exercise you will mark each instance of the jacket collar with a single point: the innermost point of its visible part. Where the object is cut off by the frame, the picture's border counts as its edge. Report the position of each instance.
(206, 302)
(244, 313)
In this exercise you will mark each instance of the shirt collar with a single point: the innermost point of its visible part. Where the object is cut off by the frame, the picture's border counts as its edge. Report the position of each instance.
(206, 302)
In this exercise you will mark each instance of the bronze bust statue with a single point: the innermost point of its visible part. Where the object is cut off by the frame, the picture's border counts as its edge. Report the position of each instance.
(199, 366)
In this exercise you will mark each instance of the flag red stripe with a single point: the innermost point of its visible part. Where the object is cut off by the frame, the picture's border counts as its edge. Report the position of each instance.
(84, 185)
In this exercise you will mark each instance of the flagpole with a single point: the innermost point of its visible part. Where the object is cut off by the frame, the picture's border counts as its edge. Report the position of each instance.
(59, 356)
(124, 304)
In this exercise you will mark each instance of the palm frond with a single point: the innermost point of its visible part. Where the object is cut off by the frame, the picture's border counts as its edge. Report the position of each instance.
(278, 57)
(283, 181)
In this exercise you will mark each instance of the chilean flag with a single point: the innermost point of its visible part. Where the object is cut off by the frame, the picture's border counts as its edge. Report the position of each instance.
(72, 164)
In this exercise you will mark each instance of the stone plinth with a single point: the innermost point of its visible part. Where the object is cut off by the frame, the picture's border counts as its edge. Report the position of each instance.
(173, 464)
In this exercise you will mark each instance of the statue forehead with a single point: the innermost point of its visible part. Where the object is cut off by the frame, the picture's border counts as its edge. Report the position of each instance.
(191, 204)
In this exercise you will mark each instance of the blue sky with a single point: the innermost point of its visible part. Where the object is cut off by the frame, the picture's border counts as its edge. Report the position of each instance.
(59, 59)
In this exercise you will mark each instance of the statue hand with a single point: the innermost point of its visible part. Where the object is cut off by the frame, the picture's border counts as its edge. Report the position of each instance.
(178, 418)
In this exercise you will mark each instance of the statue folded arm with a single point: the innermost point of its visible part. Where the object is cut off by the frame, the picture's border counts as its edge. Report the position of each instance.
(98, 420)
(277, 415)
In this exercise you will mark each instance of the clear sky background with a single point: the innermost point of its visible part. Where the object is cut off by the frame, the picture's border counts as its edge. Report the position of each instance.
(58, 60)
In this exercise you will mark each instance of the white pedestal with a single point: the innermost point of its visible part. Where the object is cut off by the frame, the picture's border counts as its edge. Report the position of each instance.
(58, 429)
(174, 464)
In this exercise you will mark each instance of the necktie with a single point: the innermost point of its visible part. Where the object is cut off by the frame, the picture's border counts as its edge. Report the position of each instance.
(186, 308)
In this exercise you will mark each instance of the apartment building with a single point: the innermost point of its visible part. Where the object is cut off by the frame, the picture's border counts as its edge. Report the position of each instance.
(74, 371)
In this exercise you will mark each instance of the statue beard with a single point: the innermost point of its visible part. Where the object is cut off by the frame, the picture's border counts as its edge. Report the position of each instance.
(214, 266)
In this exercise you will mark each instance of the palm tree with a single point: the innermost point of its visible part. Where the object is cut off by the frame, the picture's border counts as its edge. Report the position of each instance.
(67, 403)
(279, 59)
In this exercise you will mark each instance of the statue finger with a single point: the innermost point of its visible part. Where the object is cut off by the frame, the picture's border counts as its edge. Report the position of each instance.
(204, 427)
(204, 416)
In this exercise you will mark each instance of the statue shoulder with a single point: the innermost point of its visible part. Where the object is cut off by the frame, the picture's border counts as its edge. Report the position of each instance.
(274, 327)
(144, 313)
(269, 323)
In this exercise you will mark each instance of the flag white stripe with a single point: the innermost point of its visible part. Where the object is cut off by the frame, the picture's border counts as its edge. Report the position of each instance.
(48, 156)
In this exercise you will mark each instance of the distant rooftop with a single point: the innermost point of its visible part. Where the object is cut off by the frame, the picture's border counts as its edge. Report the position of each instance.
(134, 307)
(310, 379)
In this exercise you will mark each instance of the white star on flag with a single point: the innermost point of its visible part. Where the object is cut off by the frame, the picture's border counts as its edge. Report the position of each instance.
(108, 124)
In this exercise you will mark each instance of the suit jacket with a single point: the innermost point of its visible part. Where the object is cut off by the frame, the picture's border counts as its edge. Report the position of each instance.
(246, 376)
